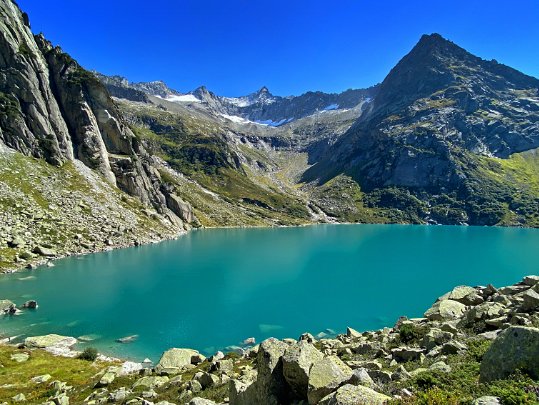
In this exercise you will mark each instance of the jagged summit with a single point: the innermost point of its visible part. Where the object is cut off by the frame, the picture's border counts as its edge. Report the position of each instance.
(436, 63)
(263, 90)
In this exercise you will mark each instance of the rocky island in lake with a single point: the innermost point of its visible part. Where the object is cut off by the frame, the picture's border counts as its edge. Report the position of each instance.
(91, 162)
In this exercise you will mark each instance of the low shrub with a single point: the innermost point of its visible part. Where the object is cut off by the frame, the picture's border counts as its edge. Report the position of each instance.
(89, 354)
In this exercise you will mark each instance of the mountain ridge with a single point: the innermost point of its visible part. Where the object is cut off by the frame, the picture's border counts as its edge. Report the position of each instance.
(259, 106)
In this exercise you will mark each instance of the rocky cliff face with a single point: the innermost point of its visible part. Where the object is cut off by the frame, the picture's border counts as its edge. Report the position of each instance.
(31, 120)
(54, 109)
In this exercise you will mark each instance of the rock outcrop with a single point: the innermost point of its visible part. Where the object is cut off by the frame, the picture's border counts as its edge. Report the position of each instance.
(54, 109)
(173, 360)
(515, 349)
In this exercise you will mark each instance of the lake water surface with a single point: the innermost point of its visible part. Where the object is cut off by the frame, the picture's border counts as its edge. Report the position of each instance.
(214, 288)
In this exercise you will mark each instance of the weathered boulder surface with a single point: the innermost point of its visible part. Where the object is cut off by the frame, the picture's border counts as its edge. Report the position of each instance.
(297, 362)
(516, 348)
(176, 359)
(354, 395)
(151, 381)
(269, 385)
(445, 310)
(487, 400)
(42, 342)
(7, 307)
(327, 375)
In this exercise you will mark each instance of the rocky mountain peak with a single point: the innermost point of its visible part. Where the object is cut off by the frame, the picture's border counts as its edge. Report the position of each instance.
(436, 64)
(155, 88)
(211, 99)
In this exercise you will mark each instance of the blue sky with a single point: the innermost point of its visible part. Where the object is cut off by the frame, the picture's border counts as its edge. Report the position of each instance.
(234, 47)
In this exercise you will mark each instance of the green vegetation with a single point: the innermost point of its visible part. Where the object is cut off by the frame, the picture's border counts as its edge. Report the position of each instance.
(89, 354)
(411, 333)
(197, 149)
(461, 385)
(81, 77)
(9, 106)
(16, 377)
(61, 207)
(25, 50)
(342, 199)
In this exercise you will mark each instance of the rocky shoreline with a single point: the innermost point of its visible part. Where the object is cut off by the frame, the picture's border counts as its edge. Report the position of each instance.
(487, 334)
(32, 263)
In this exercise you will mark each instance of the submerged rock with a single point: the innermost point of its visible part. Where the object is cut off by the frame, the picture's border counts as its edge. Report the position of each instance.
(127, 339)
(7, 307)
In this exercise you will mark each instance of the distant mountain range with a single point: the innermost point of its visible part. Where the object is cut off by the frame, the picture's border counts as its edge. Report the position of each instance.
(260, 107)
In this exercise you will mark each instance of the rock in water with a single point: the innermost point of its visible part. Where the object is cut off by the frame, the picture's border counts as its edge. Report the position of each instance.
(127, 339)
(30, 304)
(354, 395)
(516, 348)
(7, 307)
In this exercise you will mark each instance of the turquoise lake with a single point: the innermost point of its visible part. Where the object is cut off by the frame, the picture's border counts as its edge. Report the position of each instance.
(213, 288)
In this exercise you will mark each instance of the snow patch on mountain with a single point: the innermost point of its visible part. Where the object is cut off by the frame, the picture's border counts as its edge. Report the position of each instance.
(331, 107)
(236, 119)
(238, 101)
(275, 123)
(184, 98)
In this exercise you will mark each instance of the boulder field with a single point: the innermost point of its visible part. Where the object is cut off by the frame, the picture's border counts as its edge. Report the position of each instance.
(477, 345)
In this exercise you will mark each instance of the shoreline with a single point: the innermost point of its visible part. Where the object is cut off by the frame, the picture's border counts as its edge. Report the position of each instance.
(43, 261)
(462, 332)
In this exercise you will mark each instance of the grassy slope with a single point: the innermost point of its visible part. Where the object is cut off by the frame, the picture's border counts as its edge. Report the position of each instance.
(50, 205)
(239, 174)
(514, 184)
(15, 377)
